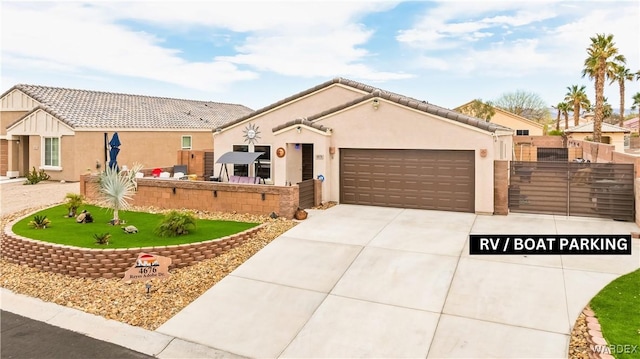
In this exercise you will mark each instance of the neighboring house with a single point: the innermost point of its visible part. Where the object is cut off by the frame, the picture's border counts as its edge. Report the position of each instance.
(632, 124)
(63, 131)
(611, 134)
(371, 147)
(521, 125)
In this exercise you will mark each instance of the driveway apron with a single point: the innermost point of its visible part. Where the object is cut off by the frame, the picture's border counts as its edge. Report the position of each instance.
(358, 281)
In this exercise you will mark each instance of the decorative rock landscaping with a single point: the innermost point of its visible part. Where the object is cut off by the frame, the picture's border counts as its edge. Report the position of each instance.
(587, 341)
(129, 302)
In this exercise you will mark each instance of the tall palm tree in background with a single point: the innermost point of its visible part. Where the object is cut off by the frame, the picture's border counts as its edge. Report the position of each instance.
(577, 97)
(621, 74)
(607, 109)
(602, 56)
(565, 107)
(558, 107)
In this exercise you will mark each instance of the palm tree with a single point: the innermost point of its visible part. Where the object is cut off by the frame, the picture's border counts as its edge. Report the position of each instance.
(564, 107)
(621, 74)
(577, 97)
(607, 109)
(558, 107)
(602, 56)
(117, 188)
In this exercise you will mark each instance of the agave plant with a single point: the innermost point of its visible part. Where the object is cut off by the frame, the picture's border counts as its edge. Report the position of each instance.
(117, 188)
(74, 201)
(102, 238)
(39, 222)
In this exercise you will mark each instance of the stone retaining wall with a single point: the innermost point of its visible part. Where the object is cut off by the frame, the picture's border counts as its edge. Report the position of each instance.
(108, 263)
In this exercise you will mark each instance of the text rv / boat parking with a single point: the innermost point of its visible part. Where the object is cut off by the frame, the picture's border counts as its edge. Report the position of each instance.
(549, 244)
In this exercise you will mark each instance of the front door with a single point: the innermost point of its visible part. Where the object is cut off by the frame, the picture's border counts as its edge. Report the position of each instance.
(307, 161)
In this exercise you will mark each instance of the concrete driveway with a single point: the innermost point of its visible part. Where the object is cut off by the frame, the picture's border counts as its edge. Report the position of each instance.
(356, 281)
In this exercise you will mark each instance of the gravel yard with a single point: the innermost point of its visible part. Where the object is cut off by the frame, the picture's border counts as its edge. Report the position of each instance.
(113, 299)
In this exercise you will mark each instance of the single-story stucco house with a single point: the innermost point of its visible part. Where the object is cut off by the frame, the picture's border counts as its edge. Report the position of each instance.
(371, 147)
(64, 131)
(611, 134)
(522, 126)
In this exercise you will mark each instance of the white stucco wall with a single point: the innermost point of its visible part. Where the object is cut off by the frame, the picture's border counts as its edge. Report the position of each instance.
(391, 126)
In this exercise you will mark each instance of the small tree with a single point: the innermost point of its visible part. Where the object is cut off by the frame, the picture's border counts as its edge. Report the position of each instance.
(522, 103)
(74, 201)
(478, 108)
(117, 188)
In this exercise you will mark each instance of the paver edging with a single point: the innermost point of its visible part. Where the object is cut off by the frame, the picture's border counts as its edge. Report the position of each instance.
(594, 337)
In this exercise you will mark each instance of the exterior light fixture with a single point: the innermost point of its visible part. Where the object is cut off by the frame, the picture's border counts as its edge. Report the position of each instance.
(375, 103)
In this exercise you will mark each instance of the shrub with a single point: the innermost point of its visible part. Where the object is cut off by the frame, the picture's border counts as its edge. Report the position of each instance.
(555, 133)
(34, 176)
(74, 201)
(39, 222)
(176, 223)
(102, 238)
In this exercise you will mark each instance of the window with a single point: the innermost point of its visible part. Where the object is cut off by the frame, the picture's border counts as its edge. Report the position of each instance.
(51, 152)
(263, 167)
(186, 142)
(522, 132)
(241, 170)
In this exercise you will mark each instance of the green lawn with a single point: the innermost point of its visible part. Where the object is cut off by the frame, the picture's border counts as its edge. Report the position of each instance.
(65, 230)
(617, 307)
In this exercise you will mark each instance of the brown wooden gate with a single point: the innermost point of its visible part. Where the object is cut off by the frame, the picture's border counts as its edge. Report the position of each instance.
(602, 190)
(306, 194)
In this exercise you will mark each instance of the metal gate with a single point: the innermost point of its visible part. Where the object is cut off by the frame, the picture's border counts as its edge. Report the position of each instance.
(602, 190)
(306, 192)
(553, 154)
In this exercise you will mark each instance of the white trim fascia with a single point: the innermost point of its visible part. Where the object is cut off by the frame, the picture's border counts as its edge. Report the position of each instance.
(295, 127)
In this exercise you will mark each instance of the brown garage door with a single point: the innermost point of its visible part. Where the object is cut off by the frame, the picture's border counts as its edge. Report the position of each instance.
(424, 179)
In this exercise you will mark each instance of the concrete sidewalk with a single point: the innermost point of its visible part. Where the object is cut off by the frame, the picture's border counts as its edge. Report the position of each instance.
(355, 281)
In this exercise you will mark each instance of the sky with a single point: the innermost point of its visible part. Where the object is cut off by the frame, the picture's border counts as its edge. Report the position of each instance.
(256, 53)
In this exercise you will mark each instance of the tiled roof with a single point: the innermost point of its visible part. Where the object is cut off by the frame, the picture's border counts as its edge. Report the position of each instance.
(588, 128)
(94, 109)
(375, 92)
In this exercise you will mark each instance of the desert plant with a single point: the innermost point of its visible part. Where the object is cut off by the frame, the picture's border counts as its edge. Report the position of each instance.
(102, 238)
(116, 189)
(555, 133)
(39, 222)
(35, 176)
(175, 223)
(74, 201)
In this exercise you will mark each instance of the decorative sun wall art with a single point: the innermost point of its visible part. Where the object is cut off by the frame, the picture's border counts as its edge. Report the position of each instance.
(251, 133)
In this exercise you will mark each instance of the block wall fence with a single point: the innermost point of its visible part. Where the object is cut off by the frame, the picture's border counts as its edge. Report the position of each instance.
(207, 196)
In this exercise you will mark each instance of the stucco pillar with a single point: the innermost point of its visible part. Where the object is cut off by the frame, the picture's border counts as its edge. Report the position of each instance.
(501, 187)
(637, 195)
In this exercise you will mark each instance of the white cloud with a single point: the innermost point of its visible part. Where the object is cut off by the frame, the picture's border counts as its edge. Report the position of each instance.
(453, 32)
(77, 38)
(290, 38)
